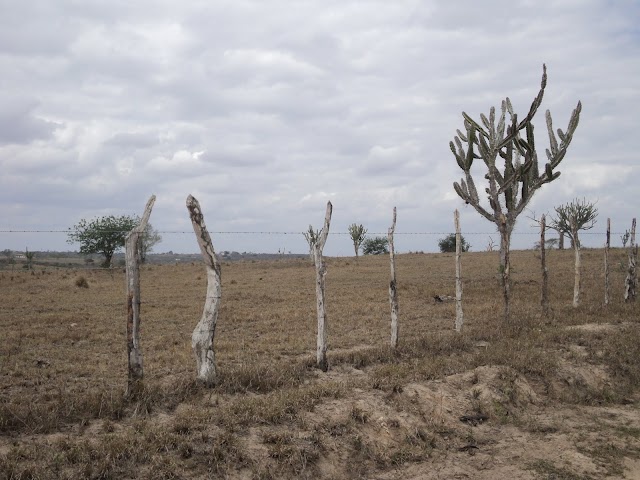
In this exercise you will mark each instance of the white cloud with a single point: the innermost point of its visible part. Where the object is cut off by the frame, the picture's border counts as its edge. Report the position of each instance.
(266, 110)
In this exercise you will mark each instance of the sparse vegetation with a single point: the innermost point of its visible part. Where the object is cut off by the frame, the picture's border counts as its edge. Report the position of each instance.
(378, 411)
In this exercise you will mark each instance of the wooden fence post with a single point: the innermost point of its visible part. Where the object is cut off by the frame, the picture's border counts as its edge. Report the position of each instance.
(204, 333)
(544, 294)
(393, 289)
(577, 281)
(321, 271)
(459, 313)
(132, 269)
(607, 245)
(631, 282)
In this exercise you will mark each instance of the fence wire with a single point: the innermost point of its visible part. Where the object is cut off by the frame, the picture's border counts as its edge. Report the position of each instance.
(190, 232)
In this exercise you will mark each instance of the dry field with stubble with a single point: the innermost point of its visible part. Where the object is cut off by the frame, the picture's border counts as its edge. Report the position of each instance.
(552, 398)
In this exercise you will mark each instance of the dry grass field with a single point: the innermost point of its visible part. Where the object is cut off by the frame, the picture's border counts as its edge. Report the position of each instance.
(552, 398)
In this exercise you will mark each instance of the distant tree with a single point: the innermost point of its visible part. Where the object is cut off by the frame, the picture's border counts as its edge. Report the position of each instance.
(29, 256)
(358, 234)
(10, 259)
(311, 236)
(625, 238)
(448, 244)
(571, 218)
(150, 238)
(575, 216)
(549, 243)
(375, 246)
(104, 235)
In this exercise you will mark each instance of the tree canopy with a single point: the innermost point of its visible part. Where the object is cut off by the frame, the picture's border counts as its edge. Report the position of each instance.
(150, 238)
(104, 235)
(358, 234)
(375, 246)
(448, 243)
(574, 216)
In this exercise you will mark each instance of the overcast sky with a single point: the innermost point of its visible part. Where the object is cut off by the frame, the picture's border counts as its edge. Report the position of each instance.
(265, 110)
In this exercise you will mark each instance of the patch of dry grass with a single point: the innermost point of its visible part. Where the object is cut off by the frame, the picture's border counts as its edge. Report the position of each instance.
(63, 365)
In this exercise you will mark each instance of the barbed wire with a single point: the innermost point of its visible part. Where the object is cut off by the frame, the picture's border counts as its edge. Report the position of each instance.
(299, 233)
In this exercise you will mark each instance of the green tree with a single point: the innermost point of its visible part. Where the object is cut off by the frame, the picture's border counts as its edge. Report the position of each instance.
(104, 235)
(358, 234)
(29, 256)
(375, 246)
(150, 238)
(448, 244)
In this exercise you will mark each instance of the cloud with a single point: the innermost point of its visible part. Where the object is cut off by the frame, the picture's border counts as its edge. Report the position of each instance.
(128, 140)
(266, 110)
(19, 124)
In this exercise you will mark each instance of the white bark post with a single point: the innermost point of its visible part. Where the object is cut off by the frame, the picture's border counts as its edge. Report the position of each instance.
(393, 290)
(321, 271)
(607, 245)
(631, 282)
(578, 266)
(132, 269)
(459, 313)
(544, 294)
(204, 333)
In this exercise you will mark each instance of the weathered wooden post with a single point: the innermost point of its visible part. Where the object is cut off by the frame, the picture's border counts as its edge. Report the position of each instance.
(393, 289)
(607, 245)
(631, 282)
(577, 283)
(544, 294)
(204, 333)
(132, 269)
(459, 313)
(317, 244)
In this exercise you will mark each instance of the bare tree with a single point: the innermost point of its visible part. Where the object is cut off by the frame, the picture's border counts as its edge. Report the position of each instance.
(132, 269)
(357, 233)
(571, 218)
(509, 191)
(204, 333)
(393, 288)
(316, 240)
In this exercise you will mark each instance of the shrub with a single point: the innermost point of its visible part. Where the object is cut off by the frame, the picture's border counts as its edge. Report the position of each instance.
(375, 246)
(81, 282)
(448, 243)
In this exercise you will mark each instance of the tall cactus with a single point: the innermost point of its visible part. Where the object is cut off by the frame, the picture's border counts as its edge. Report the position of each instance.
(510, 190)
